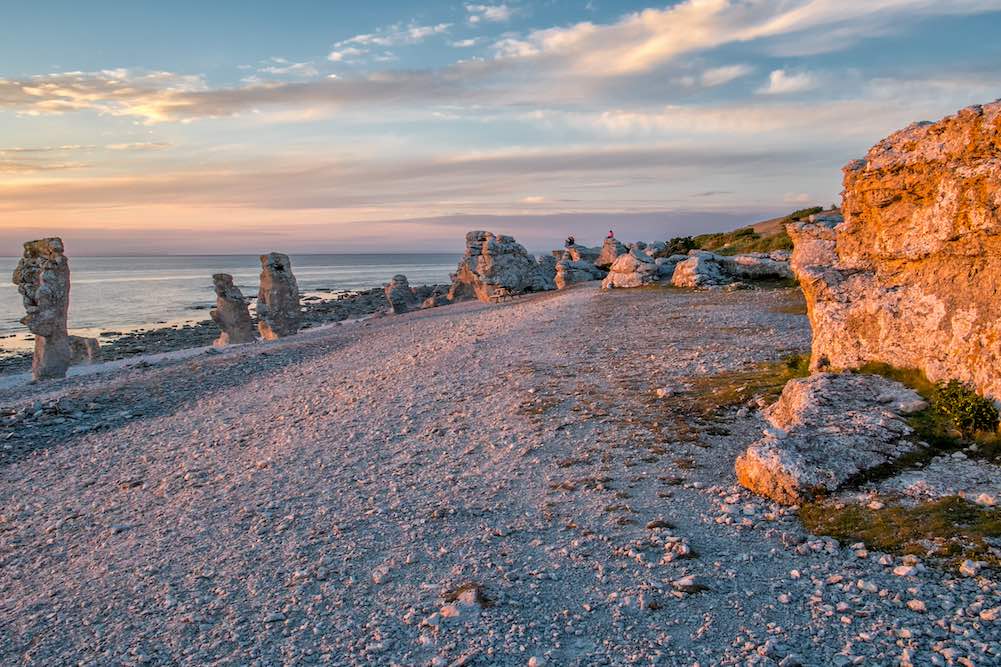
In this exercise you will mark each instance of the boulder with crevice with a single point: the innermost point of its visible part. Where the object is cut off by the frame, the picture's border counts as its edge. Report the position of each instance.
(826, 431)
(496, 265)
(42, 277)
(279, 313)
(569, 272)
(912, 275)
(701, 269)
(231, 313)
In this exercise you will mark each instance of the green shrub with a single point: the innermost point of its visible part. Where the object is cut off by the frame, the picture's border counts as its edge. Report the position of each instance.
(679, 245)
(969, 412)
(805, 212)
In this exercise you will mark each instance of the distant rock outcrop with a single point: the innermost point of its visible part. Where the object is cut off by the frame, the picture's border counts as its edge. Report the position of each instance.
(707, 269)
(569, 272)
(581, 253)
(824, 431)
(633, 269)
(701, 269)
(42, 277)
(231, 313)
(400, 296)
(278, 310)
(495, 266)
(610, 251)
(912, 276)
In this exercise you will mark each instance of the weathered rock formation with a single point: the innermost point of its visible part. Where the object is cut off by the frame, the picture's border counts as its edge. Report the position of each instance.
(707, 269)
(42, 277)
(400, 296)
(569, 272)
(547, 264)
(824, 431)
(912, 277)
(494, 266)
(278, 311)
(633, 269)
(701, 269)
(581, 253)
(610, 251)
(84, 350)
(231, 313)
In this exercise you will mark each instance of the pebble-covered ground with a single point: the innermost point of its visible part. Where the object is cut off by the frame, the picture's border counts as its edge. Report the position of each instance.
(468, 485)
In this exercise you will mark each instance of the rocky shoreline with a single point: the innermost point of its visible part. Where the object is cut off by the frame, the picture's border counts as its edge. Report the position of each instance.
(317, 308)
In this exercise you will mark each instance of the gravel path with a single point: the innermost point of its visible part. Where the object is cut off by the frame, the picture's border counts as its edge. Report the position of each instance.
(469, 485)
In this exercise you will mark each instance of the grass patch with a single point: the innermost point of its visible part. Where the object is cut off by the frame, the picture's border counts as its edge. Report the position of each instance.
(712, 393)
(955, 418)
(952, 528)
(742, 241)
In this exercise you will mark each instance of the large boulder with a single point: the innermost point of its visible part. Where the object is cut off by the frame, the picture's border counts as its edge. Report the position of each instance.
(610, 251)
(701, 269)
(278, 309)
(230, 313)
(633, 269)
(912, 276)
(569, 272)
(581, 253)
(756, 266)
(547, 265)
(496, 265)
(825, 431)
(84, 350)
(399, 294)
(42, 277)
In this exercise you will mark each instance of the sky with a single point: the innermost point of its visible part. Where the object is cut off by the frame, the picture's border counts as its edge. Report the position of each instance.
(243, 126)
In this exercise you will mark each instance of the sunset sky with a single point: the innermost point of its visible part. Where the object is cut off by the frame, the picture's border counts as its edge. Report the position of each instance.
(217, 127)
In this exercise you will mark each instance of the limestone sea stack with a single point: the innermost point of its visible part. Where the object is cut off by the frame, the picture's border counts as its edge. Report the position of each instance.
(42, 277)
(912, 276)
(400, 296)
(278, 310)
(231, 313)
(496, 265)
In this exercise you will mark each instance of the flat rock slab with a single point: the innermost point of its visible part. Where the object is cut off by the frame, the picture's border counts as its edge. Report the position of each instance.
(952, 475)
(826, 430)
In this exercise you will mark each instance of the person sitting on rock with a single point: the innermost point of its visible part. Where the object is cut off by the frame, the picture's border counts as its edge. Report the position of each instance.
(611, 234)
(570, 241)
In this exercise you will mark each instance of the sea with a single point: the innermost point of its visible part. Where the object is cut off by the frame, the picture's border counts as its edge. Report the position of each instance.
(129, 293)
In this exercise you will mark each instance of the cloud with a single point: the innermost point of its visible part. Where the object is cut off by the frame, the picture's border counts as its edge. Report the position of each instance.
(139, 146)
(282, 67)
(533, 199)
(394, 35)
(781, 82)
(722, 75)
(644, 40)
(797, 198)
(488, 13)
(466, 43)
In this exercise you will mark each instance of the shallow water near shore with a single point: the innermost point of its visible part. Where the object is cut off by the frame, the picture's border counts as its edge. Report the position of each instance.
(127, 293)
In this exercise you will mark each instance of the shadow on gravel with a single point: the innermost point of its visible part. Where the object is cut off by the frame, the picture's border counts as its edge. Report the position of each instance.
(156, 391)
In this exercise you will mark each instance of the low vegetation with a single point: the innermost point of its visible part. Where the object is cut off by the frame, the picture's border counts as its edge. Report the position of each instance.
(743, 240)
(710, 393)
(956, 416)
(951, 527)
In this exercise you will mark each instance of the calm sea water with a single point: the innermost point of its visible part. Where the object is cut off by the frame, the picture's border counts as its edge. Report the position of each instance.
(122, 293)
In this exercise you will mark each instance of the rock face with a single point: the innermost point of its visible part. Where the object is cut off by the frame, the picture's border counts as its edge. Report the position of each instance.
(400, 296)
(569, 272)
(494, 266)
(701, 269)
(707, 269)
(84, 350)
(231, 313)
(610, 251)
(912, 276)
(278, 311)
(633, 269)
(547, 264)
(826, 430)
(581, 253)
(42, 277)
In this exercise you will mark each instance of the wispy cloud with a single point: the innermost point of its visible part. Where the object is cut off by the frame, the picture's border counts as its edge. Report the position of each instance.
(394, 35)
(500, 13)
(719, 76)
(781, 82)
